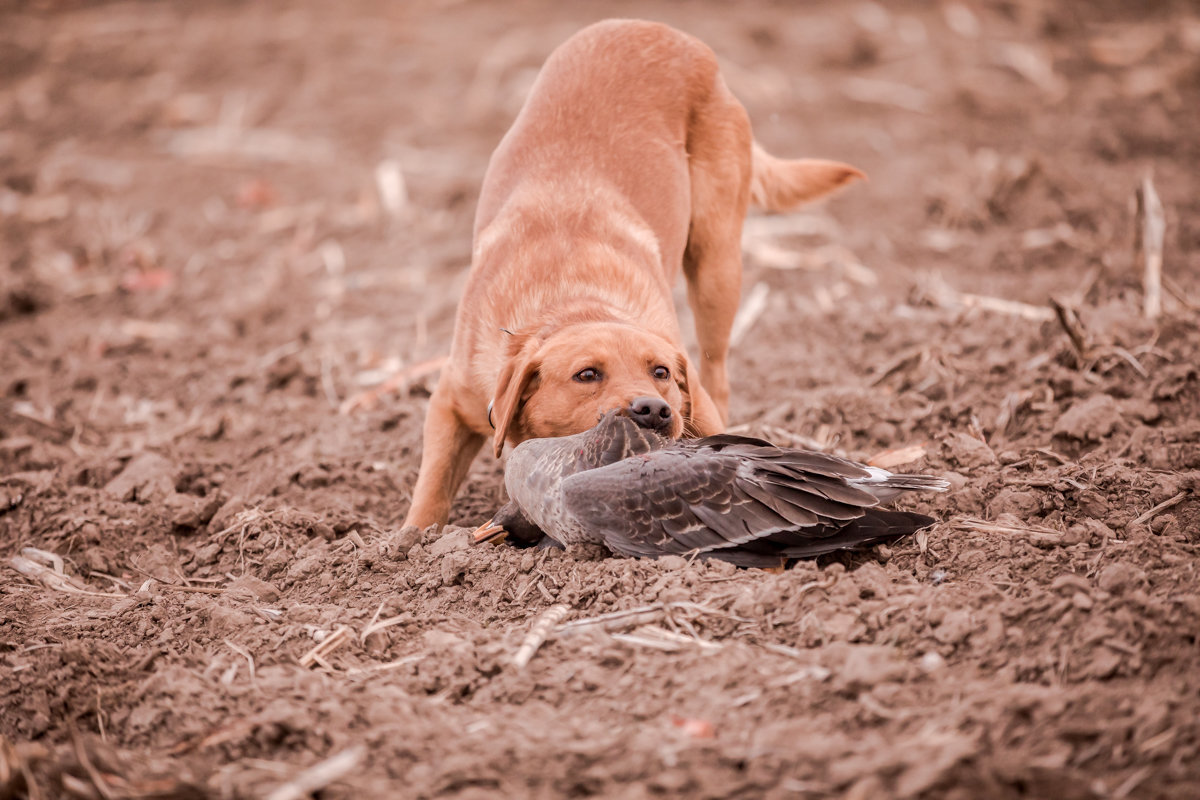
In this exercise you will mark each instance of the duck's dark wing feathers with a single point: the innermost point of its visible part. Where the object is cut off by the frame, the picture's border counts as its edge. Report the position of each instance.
(876, 526)
(732, 498)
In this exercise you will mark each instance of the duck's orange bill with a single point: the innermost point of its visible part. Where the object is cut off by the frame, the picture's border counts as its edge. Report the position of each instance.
(489, 532)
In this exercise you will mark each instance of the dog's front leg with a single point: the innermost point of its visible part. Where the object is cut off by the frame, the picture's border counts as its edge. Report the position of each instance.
(450, 447)
(713, 266)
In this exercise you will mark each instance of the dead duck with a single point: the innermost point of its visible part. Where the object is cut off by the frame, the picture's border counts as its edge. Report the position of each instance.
(734, 498)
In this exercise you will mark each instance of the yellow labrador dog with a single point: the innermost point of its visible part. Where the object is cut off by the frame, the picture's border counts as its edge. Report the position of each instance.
(630, 160)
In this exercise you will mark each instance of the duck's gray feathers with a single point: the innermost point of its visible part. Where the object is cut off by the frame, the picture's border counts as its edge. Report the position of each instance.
(694, 498)
(730, 497)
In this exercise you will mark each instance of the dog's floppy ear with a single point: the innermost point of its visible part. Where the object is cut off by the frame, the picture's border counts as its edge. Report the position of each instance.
(689, 386)
(700, 415)
(520, 368)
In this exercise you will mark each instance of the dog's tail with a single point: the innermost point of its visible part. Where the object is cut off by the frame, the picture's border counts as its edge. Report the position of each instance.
(780, 184)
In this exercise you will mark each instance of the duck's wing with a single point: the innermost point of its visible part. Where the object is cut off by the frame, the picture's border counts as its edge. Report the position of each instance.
(875, 526)
(725, 497)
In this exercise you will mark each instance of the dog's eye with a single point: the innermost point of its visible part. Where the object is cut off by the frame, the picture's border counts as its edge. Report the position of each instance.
(587, 375)
(661, 373)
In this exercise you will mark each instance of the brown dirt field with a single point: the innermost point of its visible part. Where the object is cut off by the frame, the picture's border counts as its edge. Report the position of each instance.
(197, 269)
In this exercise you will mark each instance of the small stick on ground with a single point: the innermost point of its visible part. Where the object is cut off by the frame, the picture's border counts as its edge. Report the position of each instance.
(320, 775)
(176, 587)
(1069, 319)
(97, 574)
(796, 439)
(617, 619)
(1131, 783)
(44, 556)
(690, 638)
(1001, 305)
(640, 615)
(898, 456)
(1129, 358)
(331, 643)
(387, 665)
(1152, 228)
(752, 308)
(100, 717)
(1037, 535)
(379, 625)
(905, 362)
(538, 633)
(1087, 352)
(944, 295)
(389, 182)
(371, 397)
(1179, 294)
(53, 580)
(374, 618)
(97, 779)
(244, 653)
(1164, 505)
(662, 639)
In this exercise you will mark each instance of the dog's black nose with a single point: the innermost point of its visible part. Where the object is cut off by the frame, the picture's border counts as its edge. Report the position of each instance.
(651, 412)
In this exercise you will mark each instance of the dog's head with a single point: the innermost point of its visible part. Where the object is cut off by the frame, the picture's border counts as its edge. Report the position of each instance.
(560, 383)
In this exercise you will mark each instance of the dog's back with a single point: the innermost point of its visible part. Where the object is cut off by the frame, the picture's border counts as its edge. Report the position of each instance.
(609, 110)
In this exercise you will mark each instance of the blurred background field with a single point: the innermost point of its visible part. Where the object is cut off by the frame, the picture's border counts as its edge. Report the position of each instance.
(232, 238)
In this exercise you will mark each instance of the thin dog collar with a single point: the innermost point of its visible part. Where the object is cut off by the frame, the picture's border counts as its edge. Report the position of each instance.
(490, 404)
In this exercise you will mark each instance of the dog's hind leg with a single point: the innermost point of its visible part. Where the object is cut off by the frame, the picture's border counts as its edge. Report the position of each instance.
(719, 162)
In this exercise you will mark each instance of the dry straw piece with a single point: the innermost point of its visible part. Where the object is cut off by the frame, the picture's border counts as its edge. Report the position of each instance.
(54, 579)
(327, 645)
(944, 295)
(1033, 533)
(320, 775)
(538, 633)
(1152, 229)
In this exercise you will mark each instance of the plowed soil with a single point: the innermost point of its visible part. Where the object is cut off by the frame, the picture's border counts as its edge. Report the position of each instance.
(221, 224)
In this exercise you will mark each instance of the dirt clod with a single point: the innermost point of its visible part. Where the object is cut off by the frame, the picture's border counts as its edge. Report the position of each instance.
(147, 477)
(1120, 577)
(1090, 420)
